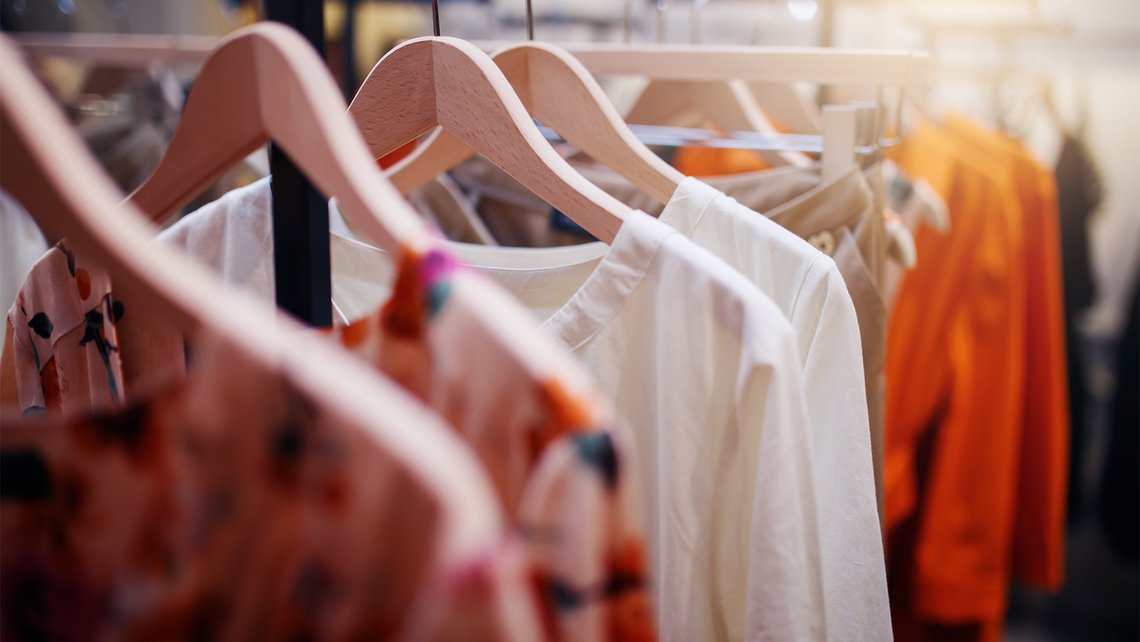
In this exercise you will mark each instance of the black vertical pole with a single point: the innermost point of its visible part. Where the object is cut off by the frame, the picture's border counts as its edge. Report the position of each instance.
(349, 40)
(300, 214)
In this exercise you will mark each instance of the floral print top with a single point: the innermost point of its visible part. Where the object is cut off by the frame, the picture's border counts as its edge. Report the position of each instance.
(463, 346)
(450, 337)
(61, 343)
(237, 506)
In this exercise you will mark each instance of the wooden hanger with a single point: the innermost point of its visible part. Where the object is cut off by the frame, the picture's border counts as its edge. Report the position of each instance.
(786, 104)
(446, 82)
(48, 169)
(750, 64)
(727, 104)
(562, 95)
(50, 172)
(266, 82)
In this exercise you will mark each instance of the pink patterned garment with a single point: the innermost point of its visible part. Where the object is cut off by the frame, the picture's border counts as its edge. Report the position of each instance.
(61, 347)
(453, 339)
(235, 506)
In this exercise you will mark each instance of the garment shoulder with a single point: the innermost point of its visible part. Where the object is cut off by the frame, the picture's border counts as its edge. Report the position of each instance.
(246, 207)
(737, 303)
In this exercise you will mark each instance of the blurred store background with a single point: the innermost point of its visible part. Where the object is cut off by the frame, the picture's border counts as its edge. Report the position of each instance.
(1062, 75)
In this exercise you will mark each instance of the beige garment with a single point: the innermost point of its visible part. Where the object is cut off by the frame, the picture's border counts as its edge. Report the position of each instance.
(842, 217)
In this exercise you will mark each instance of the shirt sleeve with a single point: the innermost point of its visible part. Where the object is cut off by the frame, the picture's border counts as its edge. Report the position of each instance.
(851, 545)
(785, 595)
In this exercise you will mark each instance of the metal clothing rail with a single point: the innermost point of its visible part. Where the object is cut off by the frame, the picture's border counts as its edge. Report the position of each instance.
(125, 49)
(871, 67)
(301, 260)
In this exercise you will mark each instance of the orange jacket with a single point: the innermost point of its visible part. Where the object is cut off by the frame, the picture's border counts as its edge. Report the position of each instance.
(956, 385)
(1038, 547)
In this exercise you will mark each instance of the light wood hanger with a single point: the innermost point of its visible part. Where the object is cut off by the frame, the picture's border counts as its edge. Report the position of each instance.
(785, 103)
(266, 82)
(447, 82)
(561, 94)
(727, 104)
(775, 65)
(48, 169)
(823, 66)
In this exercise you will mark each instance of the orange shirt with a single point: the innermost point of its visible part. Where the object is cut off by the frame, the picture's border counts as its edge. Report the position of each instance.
(956, 358)
(711, 161)
(1038, 547)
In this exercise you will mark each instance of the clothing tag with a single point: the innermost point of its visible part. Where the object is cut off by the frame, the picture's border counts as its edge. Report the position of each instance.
(23, 476)
(563, 223)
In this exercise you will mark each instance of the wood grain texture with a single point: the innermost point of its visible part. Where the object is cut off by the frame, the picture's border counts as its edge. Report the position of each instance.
(265, 82)
(560, 93)
(727, 104)
(468, 96)
(48, 169)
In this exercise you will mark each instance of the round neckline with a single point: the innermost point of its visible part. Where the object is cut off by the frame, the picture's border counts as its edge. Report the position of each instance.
(601, 296)
(593, 304)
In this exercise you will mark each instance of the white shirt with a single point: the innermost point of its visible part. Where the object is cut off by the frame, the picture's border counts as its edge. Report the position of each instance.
(705, 369)
(21, 245)
(807, 287)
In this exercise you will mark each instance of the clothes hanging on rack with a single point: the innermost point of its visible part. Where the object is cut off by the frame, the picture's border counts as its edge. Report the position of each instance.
(810, 292)
(977, 442)
(61, 339)
(1079, 196)
(21, 245)
(839, 218)
(166, 510)
(673, 435)
(580, 525)
(612, 307)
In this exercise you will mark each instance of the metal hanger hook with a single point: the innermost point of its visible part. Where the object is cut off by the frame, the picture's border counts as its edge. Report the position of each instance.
(435, 18)
(529, 21)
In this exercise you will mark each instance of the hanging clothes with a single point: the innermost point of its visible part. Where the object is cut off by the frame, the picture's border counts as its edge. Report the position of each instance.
(1038, 549)
(1079, 195)
(975, 418)
(21, 245)
(840, 218)
(234, 505)
(755, 571)
(809, 290)
(536, 426)
(61, 343)
(697, 409)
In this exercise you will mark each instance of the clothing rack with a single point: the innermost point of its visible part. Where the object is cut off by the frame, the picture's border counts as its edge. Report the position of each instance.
(303, 281)
(303, 276)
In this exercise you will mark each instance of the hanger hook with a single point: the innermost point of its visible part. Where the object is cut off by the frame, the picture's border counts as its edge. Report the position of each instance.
(529, 21)
(662, 7)
(435, 18)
